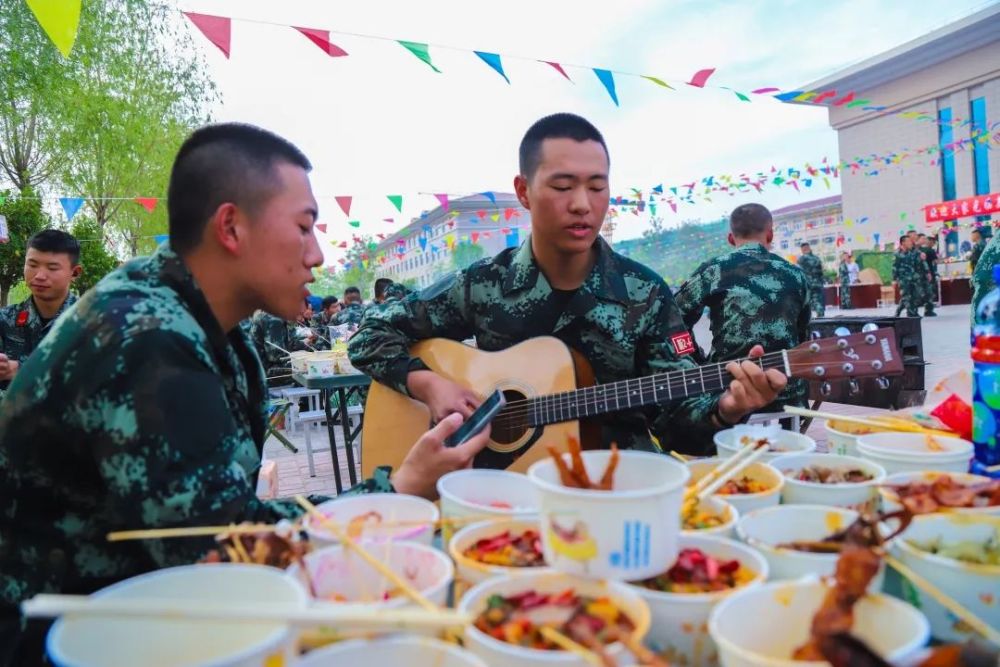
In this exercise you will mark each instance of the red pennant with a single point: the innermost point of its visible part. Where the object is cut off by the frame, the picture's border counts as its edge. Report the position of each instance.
(481, 214)
(342, 244)
(381, 237)
(508, 213)
(148, 203)
(451, 224)
(342, 260)
(217, 29)
(559, 69)
(321, 38)
(345, 205)
(389, 220)
(505, 230)
(700, 77)
(321, 226)
(475, 236)
(849, 97)
(823, 96)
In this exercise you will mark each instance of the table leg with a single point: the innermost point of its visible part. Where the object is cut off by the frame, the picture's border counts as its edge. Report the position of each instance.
(345, 424)
(333, 442)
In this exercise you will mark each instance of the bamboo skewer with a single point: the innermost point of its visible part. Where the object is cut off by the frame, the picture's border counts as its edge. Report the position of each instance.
(346, 616)
(680, 457)
(567, 644)
(886, 423)
(729, 474)
(945, 601)
(727, 468)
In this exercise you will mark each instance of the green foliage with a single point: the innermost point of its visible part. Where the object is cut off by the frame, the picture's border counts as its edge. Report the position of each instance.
(676, 253)
(97, 262)
(465, 253)
(19, 293)
(880, 261)
(24, 216)
(357, 275)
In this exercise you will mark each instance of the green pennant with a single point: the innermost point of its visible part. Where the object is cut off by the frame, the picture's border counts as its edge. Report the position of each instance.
(397, 201)
(658, 82)
(354, 223)
(420, 51)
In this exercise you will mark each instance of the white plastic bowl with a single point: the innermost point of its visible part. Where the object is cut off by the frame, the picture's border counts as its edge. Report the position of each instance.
(679, 628)
(975, 587)
(338, 571)
(471, 571)
(380, 508)
(762, 626)
(716, 505)
(501, 654)
(766, 528)
(745, 502)
(860, 496)
(162, 642)
(482, 492)
(627, 533)
(727, 443)
(890, 499)
(409, 651)
(842, 437)
(908, 452)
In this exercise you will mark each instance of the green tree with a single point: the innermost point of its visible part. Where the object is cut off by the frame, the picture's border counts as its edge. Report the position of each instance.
(95, 258)
(465, 253)
(24, 216)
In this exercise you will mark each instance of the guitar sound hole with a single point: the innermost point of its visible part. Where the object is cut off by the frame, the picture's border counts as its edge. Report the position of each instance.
(512, 423)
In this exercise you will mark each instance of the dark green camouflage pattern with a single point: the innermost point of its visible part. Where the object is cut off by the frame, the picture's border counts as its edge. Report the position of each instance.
(622, 319)
(845, 286)
(754, 297)
(396, 291)
(978, 248)
(812, 266)
(982, 277)
(350, 314)
(22, 329)
(909, 269)
(268, 331)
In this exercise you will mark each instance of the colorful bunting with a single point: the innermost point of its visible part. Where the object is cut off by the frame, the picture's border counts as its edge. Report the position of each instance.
(60, 19)
(397, 201)
(508, 213)
(218, 29)
(763, 91)
(321, 38)
(559, 69)
(495, 217)
(71, 205)
(489, 195)
(420, 51)
(608, 79)
(354, 223)
(148, 203)
(389, 220)
(321, 226)
(658, 82)
(493, 60)
(345, 204)
(700, 77)
(443, 200)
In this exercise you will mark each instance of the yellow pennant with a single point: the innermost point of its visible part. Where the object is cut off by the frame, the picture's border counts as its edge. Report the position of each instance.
(60, 19)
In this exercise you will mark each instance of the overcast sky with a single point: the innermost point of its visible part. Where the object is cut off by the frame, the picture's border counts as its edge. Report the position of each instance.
(381, 122)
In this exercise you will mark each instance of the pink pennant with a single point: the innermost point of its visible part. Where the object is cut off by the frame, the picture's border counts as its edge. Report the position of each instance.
(486, 235)
(321, 226)
(559, 69)
(381, 237)
(389, 220)
(673, 206)
(508, 213)
(700, 77)
(345, 204)
(443, 199)
(148, 203)
(764, 91)
(343, 244)
(218, 29)
(475, 236)
(505, 230)
(321, 38)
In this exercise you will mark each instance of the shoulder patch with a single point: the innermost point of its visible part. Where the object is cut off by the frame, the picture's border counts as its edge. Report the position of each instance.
(683, 343)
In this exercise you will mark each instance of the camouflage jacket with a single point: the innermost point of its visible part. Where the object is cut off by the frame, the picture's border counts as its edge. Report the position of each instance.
(908, 267)
(22, 329)
(350, 314)
(266, 331)
(754, 297)
(622, 319)
(977, 253)
(982, 277)
(137, 411)
(812, 266)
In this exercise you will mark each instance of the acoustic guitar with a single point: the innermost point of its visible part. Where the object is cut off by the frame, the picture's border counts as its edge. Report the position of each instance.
(549, 389)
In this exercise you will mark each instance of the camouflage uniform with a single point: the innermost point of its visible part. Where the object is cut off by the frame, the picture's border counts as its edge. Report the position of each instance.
(138, 411)
(396, 291)
(813, 268)
(754, 297)
(908, 269)
(622, 319)
(22, 329)
(845, 286)
(350, 314)
(977, 252)
(929, 256)
(268, 331)
(982, 278)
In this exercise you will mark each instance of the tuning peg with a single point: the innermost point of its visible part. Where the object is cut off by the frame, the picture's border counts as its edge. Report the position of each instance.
(825, 389)
(819, 371)
(816, 335)
(882, 382)
(841, 331)
(870, 338)
(853, 387)
(877, 364)
(870, 326)
(814, 347)
(848, 368)
(841, 343)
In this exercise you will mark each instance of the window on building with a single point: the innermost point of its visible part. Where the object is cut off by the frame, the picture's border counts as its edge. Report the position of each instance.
(947, 162)
(980, 149)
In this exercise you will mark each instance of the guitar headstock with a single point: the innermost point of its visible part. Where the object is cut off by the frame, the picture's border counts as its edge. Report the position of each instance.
(862, 354)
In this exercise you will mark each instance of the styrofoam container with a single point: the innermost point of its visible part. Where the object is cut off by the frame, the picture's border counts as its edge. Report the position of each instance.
(679, 627)
(321, 366)
(861, 496)
(762, 626)
(975, 587)
(471, 571)
(842, 437)
(745, 502)
(890, 500)
(727, 443)
(716, 505)
(627, 533)
(336, 571)
(161, 642)
(483, 492)
(497, 653)
(299, 361)
(908, 452)
(409, 651)
(369, 512)
(766, 528)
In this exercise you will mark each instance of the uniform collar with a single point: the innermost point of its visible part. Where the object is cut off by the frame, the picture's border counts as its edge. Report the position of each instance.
(754, 248)
(34, 318)
(604, 282)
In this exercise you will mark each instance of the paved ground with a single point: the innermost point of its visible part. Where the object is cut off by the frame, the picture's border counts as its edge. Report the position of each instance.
(946, 349)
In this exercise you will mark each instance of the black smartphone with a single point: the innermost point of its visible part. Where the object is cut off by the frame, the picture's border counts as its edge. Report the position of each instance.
(478, 420)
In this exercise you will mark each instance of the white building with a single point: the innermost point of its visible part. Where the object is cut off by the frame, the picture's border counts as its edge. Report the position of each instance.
(819, 222)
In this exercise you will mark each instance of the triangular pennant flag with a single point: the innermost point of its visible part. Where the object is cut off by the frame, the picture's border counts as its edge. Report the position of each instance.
(489, 195)
(342, 244)
(762, 91)
(608, 79)
(354, 223)
(443, 199)
(454, 214)
(420, 51)
(218, 29)
(475, 237)
(148, 203)
(508, 213)
(60, 19)
(70, 205)
(321, 226)
(397, 201)
(493, 60)
(481, 213)
(700, 77)
(495, 217)
(559, 69)
(658, 82)
(345, 204)
(321, 38)
(389, 220)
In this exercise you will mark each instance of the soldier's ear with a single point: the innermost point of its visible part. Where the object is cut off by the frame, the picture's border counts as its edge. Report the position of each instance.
(521, 190)
(76, 272)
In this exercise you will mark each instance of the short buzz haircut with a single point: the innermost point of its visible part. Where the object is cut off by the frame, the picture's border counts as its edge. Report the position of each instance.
(224, 163)
(328, 301)
(904, 237)
(58, 242)
(556, 126)
(380, 285)
(748, 220)
(976, 231)
(352, 290)
(921, 235)
(805, 245)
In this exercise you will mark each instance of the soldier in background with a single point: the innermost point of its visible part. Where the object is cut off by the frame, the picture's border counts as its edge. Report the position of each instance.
(929, 256)
(982, 278)
(812, 266)
(274, 337)
(396, 291)
(352, 310)
(908, 272)
(329, 308)
(844, 273)
(978, 246)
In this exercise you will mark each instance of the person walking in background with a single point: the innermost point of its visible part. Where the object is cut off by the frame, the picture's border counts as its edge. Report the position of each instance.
(812, 266)
(908, 272)
(844, 273)
(978, 246)
(930, 261)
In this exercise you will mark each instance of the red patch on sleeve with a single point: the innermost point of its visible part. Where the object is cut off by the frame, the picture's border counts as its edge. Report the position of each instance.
(22, 318)
(683, 343)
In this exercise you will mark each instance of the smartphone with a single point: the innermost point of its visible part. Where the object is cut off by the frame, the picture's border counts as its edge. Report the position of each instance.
(476, 422)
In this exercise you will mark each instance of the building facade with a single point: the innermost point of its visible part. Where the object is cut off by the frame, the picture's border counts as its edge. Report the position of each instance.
(820, 223)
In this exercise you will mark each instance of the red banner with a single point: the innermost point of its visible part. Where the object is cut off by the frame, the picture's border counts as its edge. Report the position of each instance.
(962, 208)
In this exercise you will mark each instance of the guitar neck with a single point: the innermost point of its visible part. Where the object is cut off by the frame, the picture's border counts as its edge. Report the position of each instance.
(637, 393)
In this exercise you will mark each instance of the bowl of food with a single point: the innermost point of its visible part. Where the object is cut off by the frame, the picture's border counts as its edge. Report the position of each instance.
(795, 540)
(375, 517)
(712, 516)
(930, 491)
(916, 452)
(764, 626)
(777, 441)
(842, 437)
(337, 575)
(510, 613)
(162, 641)
(407, 650)
(622, 526)
(830, 479)
(959, 554)
(681, 599)
(757, 485)
(480, 493)
(501, 547)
